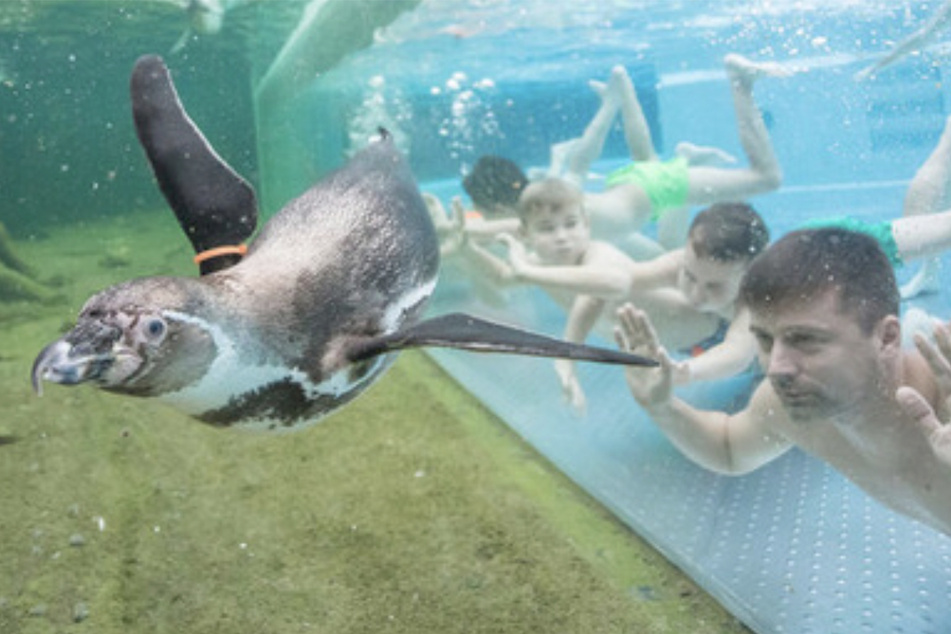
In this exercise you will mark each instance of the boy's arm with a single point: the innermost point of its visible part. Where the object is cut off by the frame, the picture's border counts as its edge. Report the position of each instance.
(729, 444)
(584, 313)
(595, 277)
(728, 358)
(488, 230)
(661, 272)
(483, 262)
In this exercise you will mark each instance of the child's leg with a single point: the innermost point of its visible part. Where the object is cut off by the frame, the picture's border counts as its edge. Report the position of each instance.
(625, 208)
(702, 154)
(927, 193)
(673, 227)
(922, 236)
(580, 153)
(637, 134)
(708, 184)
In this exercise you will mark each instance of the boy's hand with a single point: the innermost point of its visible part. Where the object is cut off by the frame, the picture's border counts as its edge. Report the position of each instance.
(449, 229)
(650, 386)
(570, 387)
(437, 213)
(518, 254)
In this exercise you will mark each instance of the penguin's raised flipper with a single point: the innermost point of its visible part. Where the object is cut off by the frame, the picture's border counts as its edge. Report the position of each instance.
(458, 330)
(214, 205)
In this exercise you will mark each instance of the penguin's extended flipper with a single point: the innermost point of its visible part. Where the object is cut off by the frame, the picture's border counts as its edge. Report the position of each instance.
(458, 330)
(214, 205)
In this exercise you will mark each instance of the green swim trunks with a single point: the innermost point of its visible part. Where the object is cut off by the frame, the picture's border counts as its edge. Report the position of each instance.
(664, 182)
(881, 231)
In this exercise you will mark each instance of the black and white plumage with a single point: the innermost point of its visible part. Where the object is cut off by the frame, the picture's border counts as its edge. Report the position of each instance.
(333, 285)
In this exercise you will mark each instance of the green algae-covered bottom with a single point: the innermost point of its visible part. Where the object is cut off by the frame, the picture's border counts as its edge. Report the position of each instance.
(411, 510)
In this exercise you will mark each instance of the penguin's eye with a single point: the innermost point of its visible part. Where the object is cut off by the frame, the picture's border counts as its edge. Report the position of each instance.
(155, 328)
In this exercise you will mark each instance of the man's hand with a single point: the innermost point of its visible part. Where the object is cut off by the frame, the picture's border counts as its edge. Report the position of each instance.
(634, 333)
(917, 407)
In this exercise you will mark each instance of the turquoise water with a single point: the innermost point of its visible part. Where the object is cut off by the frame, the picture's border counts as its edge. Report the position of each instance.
(454, 80)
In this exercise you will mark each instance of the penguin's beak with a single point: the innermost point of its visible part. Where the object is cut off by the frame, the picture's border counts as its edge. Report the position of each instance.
(82, 355)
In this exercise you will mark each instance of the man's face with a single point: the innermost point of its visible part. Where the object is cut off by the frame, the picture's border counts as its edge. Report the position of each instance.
(709, 284)
(817, 358)
(559, 234)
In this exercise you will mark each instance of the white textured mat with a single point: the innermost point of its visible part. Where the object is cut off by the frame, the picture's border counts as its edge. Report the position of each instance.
(793, 547)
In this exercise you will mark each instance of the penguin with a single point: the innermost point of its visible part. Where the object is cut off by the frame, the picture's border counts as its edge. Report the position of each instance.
(328, 292)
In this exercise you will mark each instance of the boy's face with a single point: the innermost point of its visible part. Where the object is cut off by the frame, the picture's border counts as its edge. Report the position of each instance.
(558, 234)
(710, 284)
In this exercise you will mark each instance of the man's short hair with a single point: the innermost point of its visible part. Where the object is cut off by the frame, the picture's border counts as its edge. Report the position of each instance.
(549, 192)
(805, 264)
(494, 181)
(728, 232)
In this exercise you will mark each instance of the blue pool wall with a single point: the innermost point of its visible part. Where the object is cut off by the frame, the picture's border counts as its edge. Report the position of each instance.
(827, 129)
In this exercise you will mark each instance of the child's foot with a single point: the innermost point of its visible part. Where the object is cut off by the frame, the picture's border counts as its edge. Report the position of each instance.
(619, 81)
(599, 87)
(612, 89)
(741, 69)
(703, 154)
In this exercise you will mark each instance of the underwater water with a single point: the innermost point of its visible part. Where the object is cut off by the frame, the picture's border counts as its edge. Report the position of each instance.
(412, 510)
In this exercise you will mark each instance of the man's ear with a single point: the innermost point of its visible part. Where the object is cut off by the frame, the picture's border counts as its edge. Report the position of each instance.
(889, 333)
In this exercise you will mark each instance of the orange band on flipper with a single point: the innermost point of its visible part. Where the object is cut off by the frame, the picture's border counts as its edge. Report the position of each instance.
(239, 249)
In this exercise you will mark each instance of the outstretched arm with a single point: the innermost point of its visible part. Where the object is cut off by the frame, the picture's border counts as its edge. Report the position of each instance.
(596, 277)
(485, 263)
(585, 312)
(658, 273)
(728, 358)
(488, 230)
(729, 444)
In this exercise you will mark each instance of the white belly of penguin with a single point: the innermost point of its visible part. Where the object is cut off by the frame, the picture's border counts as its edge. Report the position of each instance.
(230, 376)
